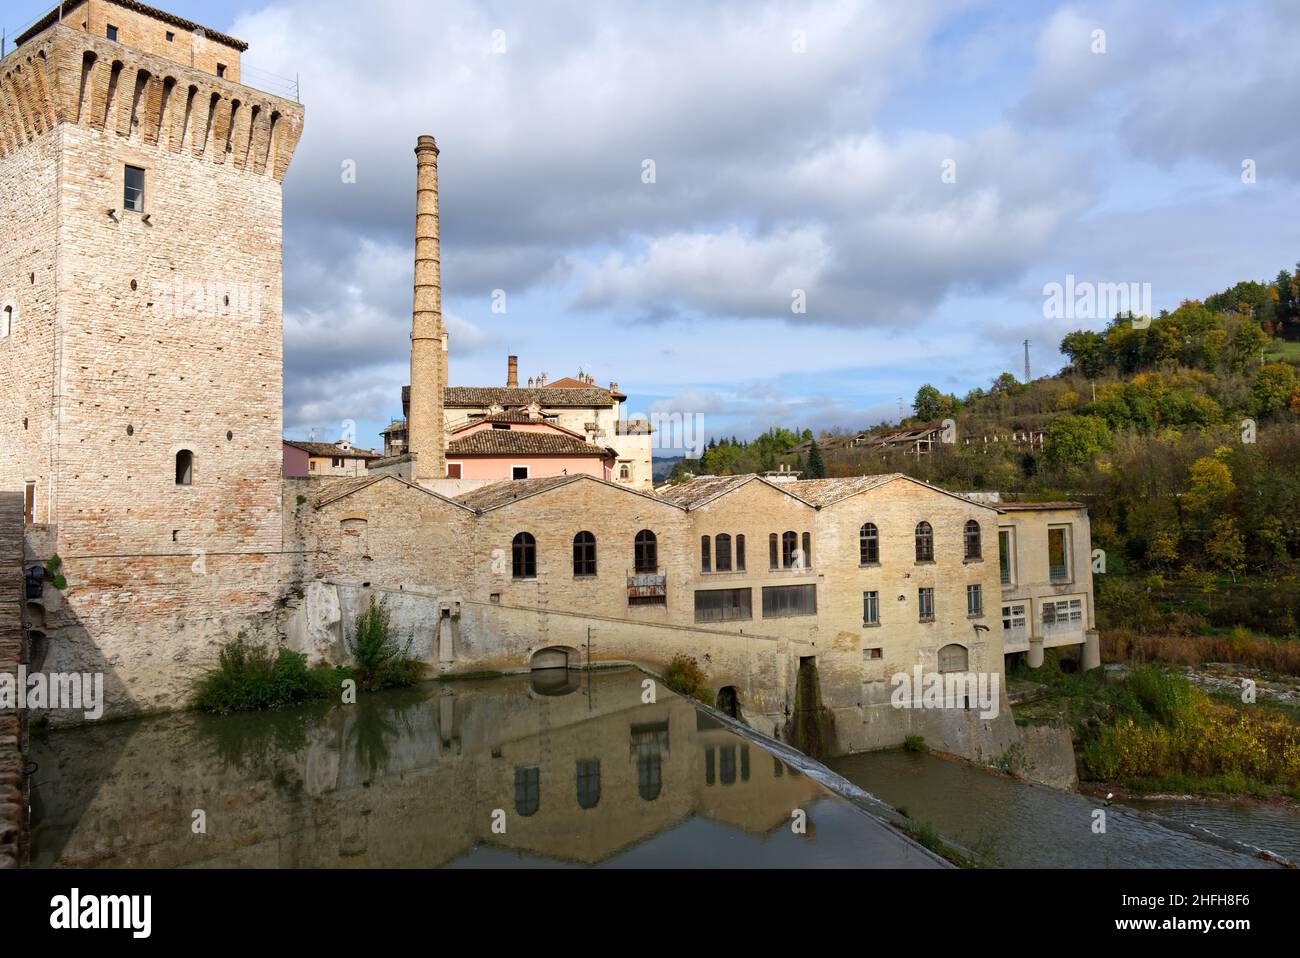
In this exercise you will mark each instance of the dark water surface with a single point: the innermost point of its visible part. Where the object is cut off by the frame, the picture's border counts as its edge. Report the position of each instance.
(1011, 824)
(576, 769)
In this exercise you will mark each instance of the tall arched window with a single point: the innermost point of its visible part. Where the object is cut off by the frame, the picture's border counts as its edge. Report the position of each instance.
(584, 554)
(807, 550)
(740, 553)
(706, 555)
(869, 544)
(722, 551)
(924, 542)
(184, 468)
(646, 554)
(953, 658)
(524, 556)
(789, 546)
(772, 557)
(972, 539)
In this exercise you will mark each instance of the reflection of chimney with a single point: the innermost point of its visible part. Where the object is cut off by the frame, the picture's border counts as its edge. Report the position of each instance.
(512, 372)
(428, 338)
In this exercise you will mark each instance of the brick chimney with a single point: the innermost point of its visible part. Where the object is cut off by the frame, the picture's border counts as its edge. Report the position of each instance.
(512, 372)
(425, 436)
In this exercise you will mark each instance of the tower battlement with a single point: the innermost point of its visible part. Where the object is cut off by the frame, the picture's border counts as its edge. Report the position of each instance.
(63, 74)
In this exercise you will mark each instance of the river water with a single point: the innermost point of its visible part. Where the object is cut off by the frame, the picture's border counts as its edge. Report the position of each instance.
(536, 771)
(1009, 823)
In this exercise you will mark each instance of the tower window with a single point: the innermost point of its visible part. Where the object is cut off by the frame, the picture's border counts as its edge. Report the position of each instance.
(133, 191)
(171, 37)
(184, 468)
(221, 70)
(112, 32)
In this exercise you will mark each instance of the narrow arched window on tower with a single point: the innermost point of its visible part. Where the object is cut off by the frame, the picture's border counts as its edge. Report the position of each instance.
(184, 468)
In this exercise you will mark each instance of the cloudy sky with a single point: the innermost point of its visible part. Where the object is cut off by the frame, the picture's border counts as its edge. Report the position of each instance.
(919, 169)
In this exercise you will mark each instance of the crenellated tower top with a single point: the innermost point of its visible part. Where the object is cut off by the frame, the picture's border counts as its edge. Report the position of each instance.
(148, 77)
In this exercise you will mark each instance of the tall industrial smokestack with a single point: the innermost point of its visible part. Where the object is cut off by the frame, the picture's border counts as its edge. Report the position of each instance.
(512, 372)
(425, 425)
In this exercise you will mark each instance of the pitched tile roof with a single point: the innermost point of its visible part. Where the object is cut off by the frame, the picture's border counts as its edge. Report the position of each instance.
(1038, 506)
(334, 491)
(330, 449)
(516, 442)
(695, 491)
(822, 492)
(508, 490)
(484, 396)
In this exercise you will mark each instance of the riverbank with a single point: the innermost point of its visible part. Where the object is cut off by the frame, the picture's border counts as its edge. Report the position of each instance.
(1151, 730)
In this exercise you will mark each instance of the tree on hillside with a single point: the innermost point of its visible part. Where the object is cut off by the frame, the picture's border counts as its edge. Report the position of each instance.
(816, 468)
(1087, 352)
(1073, 441)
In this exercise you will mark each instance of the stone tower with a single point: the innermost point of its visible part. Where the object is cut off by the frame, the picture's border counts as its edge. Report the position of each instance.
(426, 430)
(142, 366)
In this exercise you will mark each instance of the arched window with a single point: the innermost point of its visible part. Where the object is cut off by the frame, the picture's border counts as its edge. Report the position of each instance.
(588, 775)
(924, 542)
(184, 468)
(953, 658)
(789, 546)
(740, 553)
(771, 551)
(524, 556)
(807, 550)
(972, 539)
(646, 552)
(706, 560)
(869, 544)
(722, 550)
(528, 791)
(584, 554)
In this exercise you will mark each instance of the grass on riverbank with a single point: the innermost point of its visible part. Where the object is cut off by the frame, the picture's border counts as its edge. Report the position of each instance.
(250, 677)
(1156, 732)
(1238, 645)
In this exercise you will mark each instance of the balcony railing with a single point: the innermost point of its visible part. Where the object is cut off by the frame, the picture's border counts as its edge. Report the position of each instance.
(647, 588)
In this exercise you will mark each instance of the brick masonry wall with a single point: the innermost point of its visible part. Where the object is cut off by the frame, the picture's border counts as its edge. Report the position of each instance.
(13, 724)
(146, 333)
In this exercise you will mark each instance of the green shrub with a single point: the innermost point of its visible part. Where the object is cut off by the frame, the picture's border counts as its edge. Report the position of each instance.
(1165, 696)
(252, 677)
(915, 743)
(685, 677)
(381, 662)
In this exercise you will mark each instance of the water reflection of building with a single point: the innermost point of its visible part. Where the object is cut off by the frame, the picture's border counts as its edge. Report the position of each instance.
(411, 779)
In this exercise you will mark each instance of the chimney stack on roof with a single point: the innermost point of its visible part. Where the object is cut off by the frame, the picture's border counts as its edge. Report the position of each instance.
(512, 372)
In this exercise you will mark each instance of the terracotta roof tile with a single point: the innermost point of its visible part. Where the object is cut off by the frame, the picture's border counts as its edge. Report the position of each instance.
(484, 396)
(516, 442)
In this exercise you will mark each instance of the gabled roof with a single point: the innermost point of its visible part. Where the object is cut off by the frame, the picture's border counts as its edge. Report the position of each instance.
(817, 493)
(517, 442)
(704, 489)
(508, 491)
(334, 491)
(459, 397)
(323, 449)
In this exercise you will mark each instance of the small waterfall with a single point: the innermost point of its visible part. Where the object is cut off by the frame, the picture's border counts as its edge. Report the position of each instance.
(811, 728)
